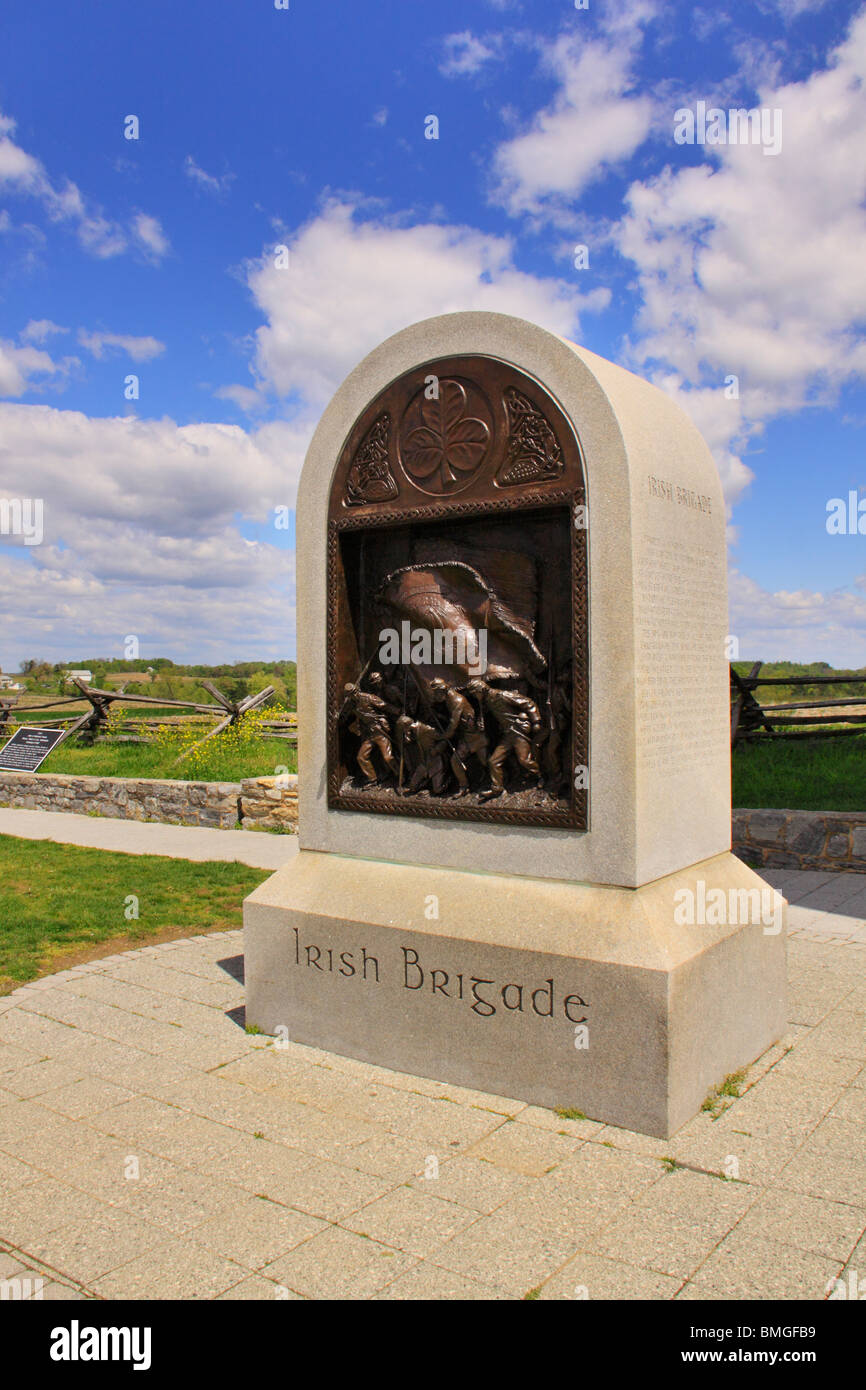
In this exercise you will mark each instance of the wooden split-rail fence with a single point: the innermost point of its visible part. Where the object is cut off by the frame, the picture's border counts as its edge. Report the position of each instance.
(94, 721)
(793, 719)
(750, 719)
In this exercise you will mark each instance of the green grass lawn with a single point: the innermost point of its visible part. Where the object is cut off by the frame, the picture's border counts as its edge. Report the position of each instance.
(60, 904)
(826, 774)
(221, 759)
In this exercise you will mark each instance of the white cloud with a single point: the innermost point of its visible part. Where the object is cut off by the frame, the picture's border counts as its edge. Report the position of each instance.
(799, 625)
(626, 20)
(168, 479)
(21, 170)
(131, 555)
(100, 237)
(28, 368)
(246, 398)
(383, 277)
(63, 614)
(23, 174)
(210, 183)
(753, 265)
(594, 122)
(104, 344)
(465, 54)
(148, 232)
(17, 365)
(141, 535)
(792, 9)
(37, 330)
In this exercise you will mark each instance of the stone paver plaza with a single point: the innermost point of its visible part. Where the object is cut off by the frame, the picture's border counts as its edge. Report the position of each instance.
(150, 1148)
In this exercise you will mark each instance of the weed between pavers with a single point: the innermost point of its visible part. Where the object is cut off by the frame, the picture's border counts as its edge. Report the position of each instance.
(714, 1104)
(673, 1165)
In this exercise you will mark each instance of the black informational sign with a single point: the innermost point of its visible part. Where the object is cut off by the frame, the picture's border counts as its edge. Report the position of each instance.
(27, 748)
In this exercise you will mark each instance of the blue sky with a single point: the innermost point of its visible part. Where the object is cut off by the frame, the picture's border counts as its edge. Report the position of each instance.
(306, 127)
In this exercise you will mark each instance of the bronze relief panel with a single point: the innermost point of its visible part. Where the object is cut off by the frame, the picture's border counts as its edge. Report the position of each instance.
(457, 603)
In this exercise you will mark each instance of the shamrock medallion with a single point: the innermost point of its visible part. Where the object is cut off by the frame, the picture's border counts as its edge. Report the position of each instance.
(446, 448)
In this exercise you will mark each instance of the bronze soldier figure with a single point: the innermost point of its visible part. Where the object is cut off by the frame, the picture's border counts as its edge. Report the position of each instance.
(386, 691)
(519, 723)
(462, 723)
(428, 754)
(369, 714)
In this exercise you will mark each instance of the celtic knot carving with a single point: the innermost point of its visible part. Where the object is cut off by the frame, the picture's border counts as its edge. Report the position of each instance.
(532, 454)
(370, 478)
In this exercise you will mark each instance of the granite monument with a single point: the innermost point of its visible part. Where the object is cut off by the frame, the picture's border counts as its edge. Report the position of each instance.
(514, 869)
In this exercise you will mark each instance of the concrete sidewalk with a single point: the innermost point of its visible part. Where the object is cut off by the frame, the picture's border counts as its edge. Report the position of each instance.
(256, 848)
(149, 1147)
(824, 907)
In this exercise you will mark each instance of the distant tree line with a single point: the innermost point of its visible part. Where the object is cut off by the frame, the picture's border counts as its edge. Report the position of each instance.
(172, 680)
(779, 694)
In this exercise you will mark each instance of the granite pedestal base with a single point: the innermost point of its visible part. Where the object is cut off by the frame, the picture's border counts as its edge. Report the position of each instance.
(613, 1002)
